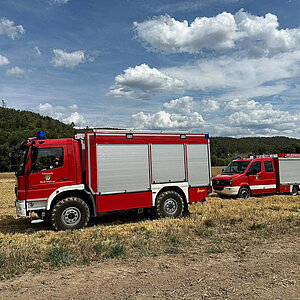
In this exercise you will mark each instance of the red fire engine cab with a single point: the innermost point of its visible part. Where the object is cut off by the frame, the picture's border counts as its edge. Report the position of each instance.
(262, 174)
(68, 180)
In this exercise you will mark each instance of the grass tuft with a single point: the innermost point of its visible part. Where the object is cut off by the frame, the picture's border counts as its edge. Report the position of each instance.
(115, 251)
(99, 248)
(256, 226)
(214, 250)
(59, 256)
(2, 260)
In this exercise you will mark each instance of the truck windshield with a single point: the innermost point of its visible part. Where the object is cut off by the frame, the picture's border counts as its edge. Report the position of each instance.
(20, 159)
(236, 167)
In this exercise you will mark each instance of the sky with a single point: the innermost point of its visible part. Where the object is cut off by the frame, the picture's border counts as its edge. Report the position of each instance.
(229, 68)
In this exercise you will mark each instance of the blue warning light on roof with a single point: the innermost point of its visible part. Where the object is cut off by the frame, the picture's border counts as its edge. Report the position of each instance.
(40, 135)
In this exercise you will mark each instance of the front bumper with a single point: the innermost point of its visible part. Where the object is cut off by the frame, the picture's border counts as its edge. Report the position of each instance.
(21, 208)
(228, 190)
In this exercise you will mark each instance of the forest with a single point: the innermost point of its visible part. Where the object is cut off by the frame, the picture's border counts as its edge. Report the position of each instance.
(17, 126)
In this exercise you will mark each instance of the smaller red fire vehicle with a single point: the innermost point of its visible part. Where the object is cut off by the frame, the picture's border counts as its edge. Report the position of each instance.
(262, 174)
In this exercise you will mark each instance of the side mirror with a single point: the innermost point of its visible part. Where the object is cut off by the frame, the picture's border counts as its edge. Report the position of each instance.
(223, 170)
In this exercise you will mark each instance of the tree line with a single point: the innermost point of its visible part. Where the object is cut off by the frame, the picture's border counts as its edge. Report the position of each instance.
(17, 126)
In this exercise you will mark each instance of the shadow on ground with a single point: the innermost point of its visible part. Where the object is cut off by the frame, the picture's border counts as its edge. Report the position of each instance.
(12, 225)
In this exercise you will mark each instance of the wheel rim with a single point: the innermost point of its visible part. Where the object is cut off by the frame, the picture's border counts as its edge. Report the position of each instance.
(170, 206)
(71, 216)
(245, 193)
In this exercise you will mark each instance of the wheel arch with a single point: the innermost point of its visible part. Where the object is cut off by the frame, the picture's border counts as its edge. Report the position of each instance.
(246, 186)
(175, 189)
(79, 192)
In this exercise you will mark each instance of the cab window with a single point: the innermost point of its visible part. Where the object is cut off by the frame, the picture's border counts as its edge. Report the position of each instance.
(268, 166)
(255, 168)
(43, 159)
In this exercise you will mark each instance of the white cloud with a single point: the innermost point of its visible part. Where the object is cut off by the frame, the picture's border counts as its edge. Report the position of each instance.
(257, 116)
(238, 118)
(237, 104)
(75, 118)
(142, 82)
(181, 105)
(68, 60)
(240, 77)
(66, 114)
(37, 51)
(225, 31)
(3, 60)
(232, 76)
(61, 1)
(171, 36)
(185, 117)
(15, 71)
(73, 107)
(8, 27)
(209, 105)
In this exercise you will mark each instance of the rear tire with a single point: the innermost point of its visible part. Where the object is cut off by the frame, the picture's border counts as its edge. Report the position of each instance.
(70, 213)
(244, 192)
(169, 204)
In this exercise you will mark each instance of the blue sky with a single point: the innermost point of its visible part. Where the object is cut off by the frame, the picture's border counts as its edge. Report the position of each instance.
(230, 68)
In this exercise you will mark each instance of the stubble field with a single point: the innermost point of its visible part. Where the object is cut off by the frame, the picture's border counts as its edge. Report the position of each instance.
(221, 233)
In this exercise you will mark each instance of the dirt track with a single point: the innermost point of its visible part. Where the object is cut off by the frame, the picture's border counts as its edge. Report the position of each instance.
(268, 271)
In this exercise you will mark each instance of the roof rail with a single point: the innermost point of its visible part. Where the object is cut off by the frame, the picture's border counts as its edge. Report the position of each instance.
(140, 131)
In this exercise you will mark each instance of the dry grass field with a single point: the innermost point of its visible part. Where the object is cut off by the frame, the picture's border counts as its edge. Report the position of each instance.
(219, 229)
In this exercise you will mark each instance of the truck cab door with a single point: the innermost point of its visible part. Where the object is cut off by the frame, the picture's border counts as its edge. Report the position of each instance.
(48, 171)
(262, 177)
(254, 174)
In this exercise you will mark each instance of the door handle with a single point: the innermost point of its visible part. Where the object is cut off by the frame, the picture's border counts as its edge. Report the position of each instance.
(63, 179)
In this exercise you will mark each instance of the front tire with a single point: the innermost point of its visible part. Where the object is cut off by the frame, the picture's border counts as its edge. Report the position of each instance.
(169, 204)
(244, 192)
(70, 213)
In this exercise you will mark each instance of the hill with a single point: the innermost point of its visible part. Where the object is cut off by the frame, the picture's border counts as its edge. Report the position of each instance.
(224, 149)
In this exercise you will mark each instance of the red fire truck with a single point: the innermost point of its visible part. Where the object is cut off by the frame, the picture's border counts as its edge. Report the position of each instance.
(262, 174)
(69, 180)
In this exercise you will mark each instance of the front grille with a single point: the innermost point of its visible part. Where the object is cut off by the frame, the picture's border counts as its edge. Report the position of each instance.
(221, 182)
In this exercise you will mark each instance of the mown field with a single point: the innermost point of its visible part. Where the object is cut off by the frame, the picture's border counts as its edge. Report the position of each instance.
(217, 226)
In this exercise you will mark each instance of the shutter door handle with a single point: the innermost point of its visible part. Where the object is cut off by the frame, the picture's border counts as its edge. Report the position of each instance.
(63, 179)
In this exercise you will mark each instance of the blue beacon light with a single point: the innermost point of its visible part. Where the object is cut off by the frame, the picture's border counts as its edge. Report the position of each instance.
(40, 135)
